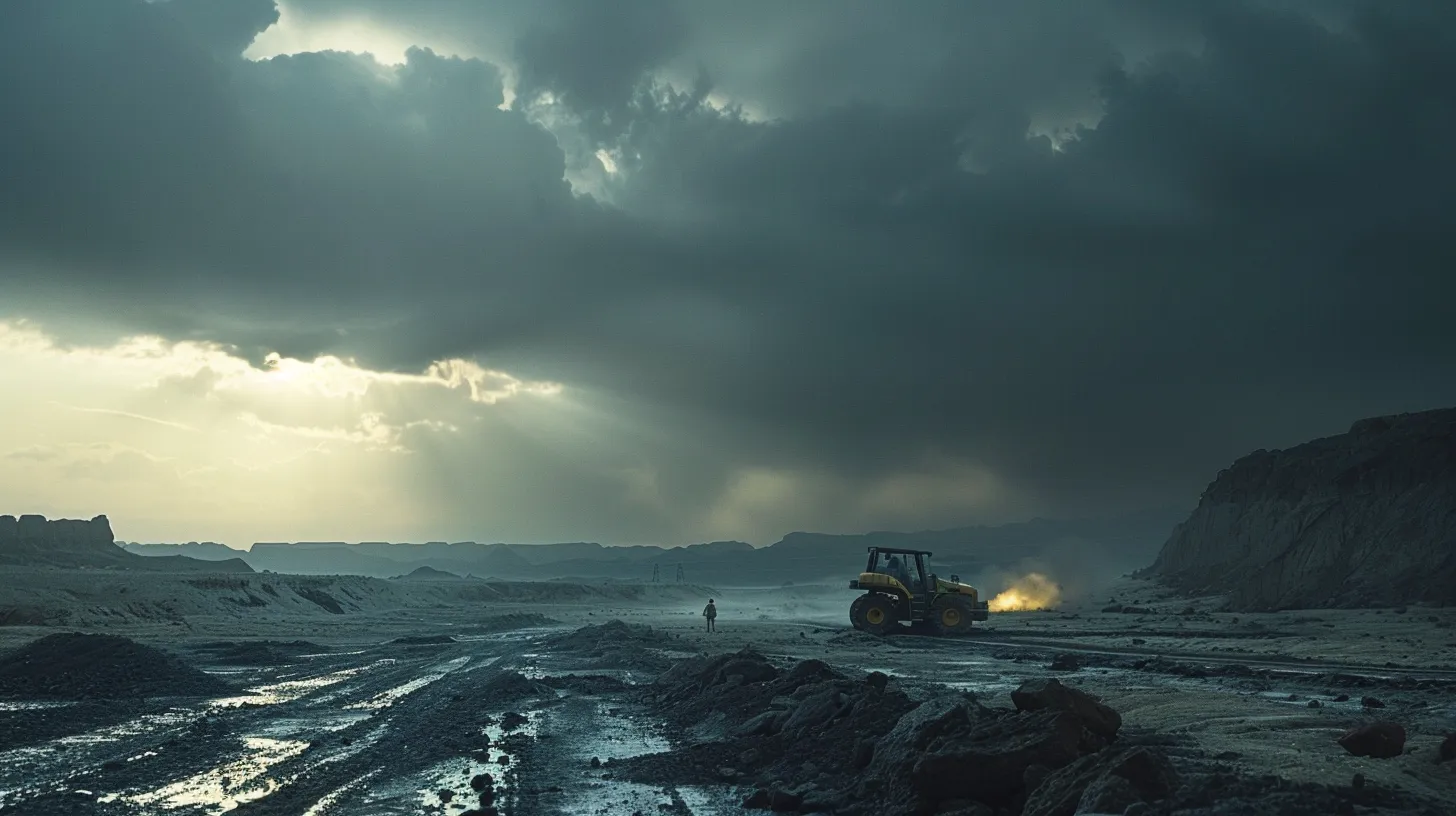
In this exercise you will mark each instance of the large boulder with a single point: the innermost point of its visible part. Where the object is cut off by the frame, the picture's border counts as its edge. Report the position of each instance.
(988, 762)
(912, 735)
(1104, 782)
(952, 749)
(1381, 740)
(1050, 694)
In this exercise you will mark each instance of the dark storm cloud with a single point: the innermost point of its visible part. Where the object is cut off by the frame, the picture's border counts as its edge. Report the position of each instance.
(1248, 248)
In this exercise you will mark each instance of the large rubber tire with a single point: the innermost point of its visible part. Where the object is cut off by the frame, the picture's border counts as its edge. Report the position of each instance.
(874, 613)
(951, 616)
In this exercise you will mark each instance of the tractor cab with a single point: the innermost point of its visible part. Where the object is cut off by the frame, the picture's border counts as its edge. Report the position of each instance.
(906, 567)
(900, 588)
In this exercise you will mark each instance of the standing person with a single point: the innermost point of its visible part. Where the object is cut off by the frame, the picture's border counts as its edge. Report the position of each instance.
(711, 613)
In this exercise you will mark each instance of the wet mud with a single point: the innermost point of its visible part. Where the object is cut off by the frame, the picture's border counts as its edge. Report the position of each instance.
(622, 719)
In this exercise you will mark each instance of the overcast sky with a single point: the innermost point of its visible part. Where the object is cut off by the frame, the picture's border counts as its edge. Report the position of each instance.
(675, 270)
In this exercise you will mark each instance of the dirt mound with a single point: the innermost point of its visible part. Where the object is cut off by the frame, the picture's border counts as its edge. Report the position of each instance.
(258, 652)
(424, 640)
(595, 639)
(76, 666)
(428, 573)
(507, 623)
(617, 645)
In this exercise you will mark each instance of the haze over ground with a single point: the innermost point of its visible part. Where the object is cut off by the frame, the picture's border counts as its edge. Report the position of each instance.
(664, 271)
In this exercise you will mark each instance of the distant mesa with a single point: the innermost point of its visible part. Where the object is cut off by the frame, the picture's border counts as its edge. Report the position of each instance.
(801, 558)
(32, 540)
(1364, 518)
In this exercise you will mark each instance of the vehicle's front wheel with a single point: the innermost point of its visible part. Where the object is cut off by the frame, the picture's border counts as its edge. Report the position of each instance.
(873, 613)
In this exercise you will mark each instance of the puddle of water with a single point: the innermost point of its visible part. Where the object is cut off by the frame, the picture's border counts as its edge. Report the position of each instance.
(385, 699)
(224, 788)
(288, 727)
(33, 705)
(286, 691)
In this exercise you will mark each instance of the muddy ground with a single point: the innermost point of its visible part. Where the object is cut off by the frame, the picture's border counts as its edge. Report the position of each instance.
(400, 712)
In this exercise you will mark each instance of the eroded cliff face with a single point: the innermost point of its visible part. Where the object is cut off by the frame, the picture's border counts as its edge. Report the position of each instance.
(1364, 518)
(33, 539)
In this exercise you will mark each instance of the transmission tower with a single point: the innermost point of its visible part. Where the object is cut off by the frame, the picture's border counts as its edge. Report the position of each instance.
(679, 573)
(655, 575)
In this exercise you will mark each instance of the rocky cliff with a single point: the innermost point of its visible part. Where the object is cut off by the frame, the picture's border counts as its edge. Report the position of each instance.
(1365, 518)
(69, 543)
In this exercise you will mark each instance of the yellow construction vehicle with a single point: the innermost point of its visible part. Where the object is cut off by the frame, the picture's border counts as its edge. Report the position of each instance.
(900, 591)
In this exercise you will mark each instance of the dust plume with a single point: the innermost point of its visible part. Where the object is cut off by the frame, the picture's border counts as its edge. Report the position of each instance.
(1029, 592)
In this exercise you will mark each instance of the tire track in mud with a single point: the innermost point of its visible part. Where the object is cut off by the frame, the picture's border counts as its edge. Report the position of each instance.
(395, 728)
(301, 735)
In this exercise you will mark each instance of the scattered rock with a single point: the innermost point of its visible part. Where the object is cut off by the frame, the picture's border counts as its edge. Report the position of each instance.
(1371, 702)
(1381, 740)
(877, 680)
(481, 782)
(1065, 661)
(1314, 704)
(1447, 751)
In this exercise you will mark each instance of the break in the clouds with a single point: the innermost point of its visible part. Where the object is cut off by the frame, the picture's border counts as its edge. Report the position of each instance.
(735, 268)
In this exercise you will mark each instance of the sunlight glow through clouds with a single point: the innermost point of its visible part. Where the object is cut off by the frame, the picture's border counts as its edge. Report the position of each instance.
(145, 426)
(295, 33)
